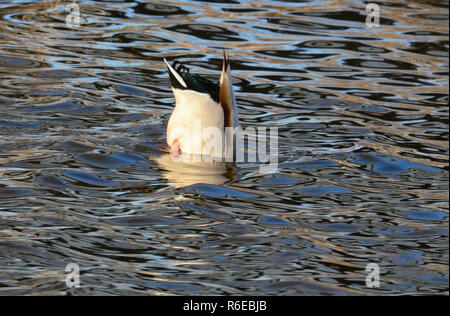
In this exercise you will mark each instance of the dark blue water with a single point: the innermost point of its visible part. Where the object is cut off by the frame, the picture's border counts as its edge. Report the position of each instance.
(362, 176)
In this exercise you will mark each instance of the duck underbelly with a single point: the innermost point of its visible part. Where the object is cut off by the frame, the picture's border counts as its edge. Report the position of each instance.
(197, 126)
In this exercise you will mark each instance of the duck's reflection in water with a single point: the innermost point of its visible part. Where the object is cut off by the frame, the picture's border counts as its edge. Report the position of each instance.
(185, 171)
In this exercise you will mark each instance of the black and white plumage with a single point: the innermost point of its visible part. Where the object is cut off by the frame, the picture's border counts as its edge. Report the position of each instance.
(202, 111)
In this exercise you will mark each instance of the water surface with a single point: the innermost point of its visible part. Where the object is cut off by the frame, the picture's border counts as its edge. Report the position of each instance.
(363, 149)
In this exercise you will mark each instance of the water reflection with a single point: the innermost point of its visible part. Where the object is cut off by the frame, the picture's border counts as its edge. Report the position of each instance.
(187, 172)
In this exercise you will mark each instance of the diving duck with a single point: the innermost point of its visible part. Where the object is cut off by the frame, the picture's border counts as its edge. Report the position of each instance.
(204, 110)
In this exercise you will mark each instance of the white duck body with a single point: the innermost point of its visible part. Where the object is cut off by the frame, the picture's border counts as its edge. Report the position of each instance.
(191, 120)
(202, 112)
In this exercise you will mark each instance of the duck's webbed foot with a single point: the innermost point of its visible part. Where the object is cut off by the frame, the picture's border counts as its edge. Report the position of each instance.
(175, 150)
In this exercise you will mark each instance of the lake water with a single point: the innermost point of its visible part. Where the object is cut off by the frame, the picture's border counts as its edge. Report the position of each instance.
(362, 173)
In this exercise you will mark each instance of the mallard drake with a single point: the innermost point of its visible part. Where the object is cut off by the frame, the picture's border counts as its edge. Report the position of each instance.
(203, 111)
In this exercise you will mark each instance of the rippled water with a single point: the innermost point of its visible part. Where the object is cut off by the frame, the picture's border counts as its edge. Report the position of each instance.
(363, 149)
